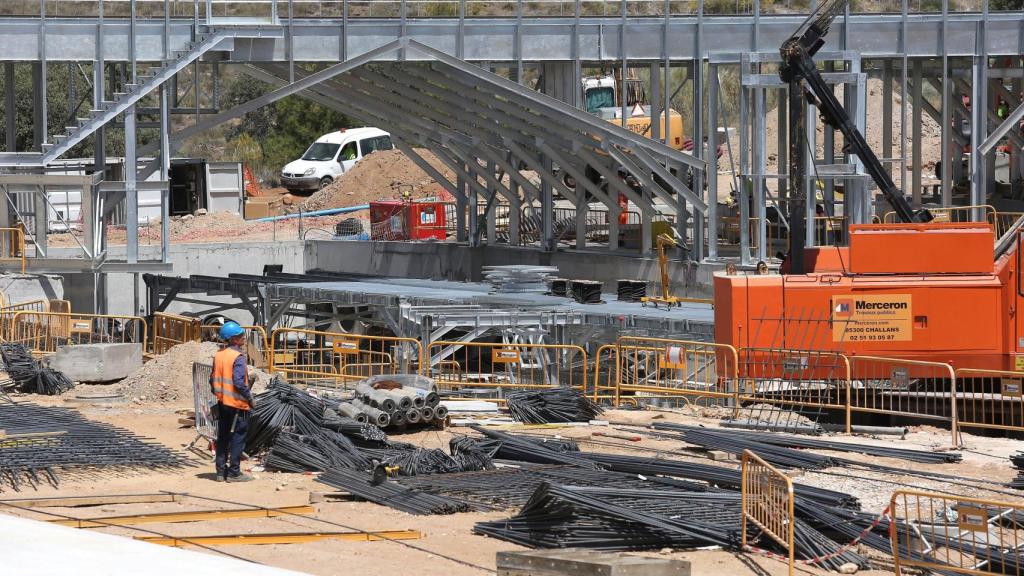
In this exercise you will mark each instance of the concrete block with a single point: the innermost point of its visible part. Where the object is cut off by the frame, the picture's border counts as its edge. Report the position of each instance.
(578, 562)
(97, 362)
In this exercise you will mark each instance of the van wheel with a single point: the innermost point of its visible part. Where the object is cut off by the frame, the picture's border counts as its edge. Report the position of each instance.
(325, 182)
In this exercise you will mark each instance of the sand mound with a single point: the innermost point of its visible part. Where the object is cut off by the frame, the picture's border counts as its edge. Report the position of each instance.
(381, 175)
(167, 378)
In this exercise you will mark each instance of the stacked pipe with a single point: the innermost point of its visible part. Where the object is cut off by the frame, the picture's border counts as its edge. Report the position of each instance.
(393, 406)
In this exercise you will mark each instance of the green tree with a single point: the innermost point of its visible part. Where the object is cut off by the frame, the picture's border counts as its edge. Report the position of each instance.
(296, 124)
(1006, 5)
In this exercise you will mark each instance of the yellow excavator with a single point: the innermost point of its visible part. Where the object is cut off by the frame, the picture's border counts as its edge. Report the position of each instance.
(602, 97)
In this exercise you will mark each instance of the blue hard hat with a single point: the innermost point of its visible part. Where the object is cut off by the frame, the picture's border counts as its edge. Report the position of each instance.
(230, 330)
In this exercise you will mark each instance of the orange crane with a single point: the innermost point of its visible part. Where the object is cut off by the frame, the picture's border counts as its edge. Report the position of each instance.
(945, 292)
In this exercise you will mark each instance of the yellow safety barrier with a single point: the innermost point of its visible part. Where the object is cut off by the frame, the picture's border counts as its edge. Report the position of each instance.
(12, 247)
(954, 214)
(990, 399)
(169, 330)
(767, 503)
(955, 534)
(796, 378)
(7, 312)
(913, 388)
(496, 367)
(337, 357)
(257, 344)
(603, 383)
(694, 372)
(44, 332)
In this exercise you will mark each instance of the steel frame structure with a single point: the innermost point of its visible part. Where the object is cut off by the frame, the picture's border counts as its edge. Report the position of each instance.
(410, 51)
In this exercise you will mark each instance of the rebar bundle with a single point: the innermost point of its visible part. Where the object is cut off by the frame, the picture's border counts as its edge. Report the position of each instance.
(525, 449)
(1018, 462)
(391, 494)
(586, 291)
(792, 441)
(43, 442)
(632, 290)
(281, 407)
(559, 404)
(292, 452)
(29, 374)
(728, 441)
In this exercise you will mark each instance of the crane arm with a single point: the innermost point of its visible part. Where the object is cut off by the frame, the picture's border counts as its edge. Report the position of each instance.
(798, 66)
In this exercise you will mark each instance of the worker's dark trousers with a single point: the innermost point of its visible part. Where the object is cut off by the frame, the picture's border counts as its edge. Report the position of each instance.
(230, 444)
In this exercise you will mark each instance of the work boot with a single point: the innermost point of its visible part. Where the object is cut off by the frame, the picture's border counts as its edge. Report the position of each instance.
(240, 478)
(219, 478)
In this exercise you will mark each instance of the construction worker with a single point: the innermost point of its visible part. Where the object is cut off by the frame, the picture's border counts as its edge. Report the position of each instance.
(229, 382)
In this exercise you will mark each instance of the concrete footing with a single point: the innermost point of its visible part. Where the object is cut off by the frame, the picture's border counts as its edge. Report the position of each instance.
(97, 362)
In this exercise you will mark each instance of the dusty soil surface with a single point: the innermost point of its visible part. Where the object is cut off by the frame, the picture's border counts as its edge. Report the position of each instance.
(222, 227)
(382, 175)
(448, 546)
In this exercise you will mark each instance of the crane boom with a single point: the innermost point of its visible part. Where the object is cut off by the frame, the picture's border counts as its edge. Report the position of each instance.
(800, 71)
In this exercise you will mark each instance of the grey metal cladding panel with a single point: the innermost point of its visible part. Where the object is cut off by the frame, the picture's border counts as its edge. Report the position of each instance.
(19, 43)
(359, 45)
(317, 44)
(497, 43)
(643, 41)
(1004, 37)
(256, 49)
(718, 37)
(550, 42)
(437, 38)
(69, 42)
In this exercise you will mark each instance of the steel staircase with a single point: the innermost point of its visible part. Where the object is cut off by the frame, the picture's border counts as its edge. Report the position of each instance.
(144, 85)
(133, 92)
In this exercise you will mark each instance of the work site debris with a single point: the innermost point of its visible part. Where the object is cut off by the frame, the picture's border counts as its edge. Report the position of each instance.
(40, 443)
(30, 375)
(382, 175)
(167, 378)
(559, 404)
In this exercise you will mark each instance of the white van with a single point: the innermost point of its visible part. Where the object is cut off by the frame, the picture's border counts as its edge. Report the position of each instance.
(331, 156)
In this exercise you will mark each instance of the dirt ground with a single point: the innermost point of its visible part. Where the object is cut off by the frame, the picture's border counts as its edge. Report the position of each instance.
(448, 546)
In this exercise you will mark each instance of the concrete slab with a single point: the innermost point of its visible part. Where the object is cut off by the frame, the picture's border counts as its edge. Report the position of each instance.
(97, 362)
(42, 549)
(578, 562)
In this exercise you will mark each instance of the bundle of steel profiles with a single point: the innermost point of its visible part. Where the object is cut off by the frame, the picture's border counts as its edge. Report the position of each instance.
(528, 449)
(29, 374)
(561, 404)
(726, 441)
(714, 475)
(630, 519)
(510, 487)
(391, 494)
(41, 442)
(792, 441)
(326, 449)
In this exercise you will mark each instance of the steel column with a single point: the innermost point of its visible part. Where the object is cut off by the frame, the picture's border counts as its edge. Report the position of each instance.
(979, 123)
(915, 138)
(131, 192)
(712, 169)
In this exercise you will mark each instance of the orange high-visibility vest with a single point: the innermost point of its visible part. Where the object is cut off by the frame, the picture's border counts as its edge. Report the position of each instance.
(223, 379)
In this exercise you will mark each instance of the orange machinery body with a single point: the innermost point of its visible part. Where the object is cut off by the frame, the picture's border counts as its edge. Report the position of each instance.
(916, 291)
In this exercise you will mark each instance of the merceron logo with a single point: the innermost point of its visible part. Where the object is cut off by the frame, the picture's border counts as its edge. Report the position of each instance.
(862, 305)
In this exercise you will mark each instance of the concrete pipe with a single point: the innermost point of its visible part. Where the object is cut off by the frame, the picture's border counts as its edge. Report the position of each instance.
(398, 418)
(427, 413)
(440, 413)
(349, 411)
(381, 401)
(373, 415)
(404, 402)
(412, 416)
(418, 400)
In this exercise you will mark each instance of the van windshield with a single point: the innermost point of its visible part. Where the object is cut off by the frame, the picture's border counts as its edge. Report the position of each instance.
(321, 151)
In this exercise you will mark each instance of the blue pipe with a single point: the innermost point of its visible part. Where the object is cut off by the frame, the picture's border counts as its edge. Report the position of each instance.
(315, 213)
